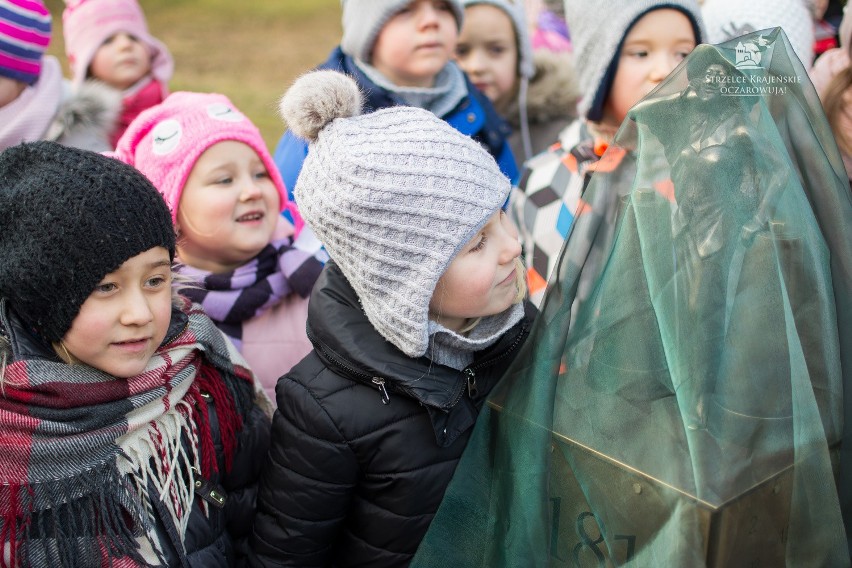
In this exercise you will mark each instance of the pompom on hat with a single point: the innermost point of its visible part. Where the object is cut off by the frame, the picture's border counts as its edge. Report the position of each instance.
(393, 195)
(166, 140)
(25, 30)
(70, 217)
(598, 29)
(363, 20)
(86, 24)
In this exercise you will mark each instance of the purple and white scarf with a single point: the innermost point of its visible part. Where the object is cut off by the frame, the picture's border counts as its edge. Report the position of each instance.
(282, 268)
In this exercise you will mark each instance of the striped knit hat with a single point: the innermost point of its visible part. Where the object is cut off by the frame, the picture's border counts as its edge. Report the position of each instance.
(393, 195)
(24, 37)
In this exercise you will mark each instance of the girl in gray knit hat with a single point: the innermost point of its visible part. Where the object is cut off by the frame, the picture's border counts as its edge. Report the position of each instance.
(535, 91)
(622, 50)
(399, 52)
(413, 321)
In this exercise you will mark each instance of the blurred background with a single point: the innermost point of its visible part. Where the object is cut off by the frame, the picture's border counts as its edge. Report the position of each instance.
(249, 51)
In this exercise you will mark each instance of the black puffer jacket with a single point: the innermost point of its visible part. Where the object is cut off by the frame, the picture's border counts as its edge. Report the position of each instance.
(217, 540)
(364, 441)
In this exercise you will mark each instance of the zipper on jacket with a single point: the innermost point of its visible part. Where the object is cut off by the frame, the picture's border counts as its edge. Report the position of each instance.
(470, 375)
(350, 371)
(384, 392)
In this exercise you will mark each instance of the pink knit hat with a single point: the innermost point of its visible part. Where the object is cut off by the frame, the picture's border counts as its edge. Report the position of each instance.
(166, 140)
(86, 24)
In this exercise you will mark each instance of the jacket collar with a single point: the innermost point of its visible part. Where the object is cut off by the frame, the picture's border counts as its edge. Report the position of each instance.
(347, 341)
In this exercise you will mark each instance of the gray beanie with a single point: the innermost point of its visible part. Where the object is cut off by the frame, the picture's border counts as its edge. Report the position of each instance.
(598, 29)
(515, 11)
(393, 195)
(364, 19)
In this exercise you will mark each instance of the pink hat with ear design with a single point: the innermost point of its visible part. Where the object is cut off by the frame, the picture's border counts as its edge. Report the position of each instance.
(166, 140)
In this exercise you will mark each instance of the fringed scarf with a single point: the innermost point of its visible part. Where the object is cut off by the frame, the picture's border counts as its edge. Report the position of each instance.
(86, 459)
(232, 298)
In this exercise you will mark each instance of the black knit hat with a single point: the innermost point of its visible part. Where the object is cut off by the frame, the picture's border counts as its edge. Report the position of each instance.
(68, 218)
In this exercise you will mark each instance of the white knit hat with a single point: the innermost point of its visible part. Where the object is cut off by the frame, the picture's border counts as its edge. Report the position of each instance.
(727, 19)
(598, 29)
(393, 195)
(364, 19)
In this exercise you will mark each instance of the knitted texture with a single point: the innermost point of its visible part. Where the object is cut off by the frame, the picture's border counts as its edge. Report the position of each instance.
(166, 140)
(24, 37)
(393, 195)
(364, 19)
(727, 19)
(515, 11)
(70, 217)
(86, 24)
(598, 29)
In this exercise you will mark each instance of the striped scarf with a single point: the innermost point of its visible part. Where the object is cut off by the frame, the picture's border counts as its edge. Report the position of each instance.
(86, 458)
(232, 298)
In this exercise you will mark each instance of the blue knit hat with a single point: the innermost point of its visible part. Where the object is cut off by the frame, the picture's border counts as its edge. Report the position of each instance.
(24, 37)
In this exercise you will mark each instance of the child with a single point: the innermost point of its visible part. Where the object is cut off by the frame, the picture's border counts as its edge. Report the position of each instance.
(399, 53)
(129, 428)
(33, 103)
(534, 91)
(413, 320)
(108, 41)
(622, 50)
(256, 270)
(832, 77)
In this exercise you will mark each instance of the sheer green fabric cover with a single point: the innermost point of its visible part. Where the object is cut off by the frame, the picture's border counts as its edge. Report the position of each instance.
(694, 343)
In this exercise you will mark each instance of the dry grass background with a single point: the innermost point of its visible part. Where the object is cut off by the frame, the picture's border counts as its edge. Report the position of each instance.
(250, 51)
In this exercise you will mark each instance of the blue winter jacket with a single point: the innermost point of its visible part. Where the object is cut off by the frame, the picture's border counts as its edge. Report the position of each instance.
(473, 116)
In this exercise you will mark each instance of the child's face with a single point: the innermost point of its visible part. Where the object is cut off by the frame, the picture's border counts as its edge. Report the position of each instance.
(10, 89)
(228, 210)
(416, 43)
(121, 61)
(488, 52)
(481, 279)
(125, 319)
(655, 45)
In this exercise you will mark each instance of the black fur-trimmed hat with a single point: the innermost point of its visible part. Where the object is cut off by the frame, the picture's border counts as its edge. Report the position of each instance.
(68, 218)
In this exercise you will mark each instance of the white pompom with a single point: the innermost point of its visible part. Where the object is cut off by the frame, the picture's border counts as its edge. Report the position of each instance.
(317, 98)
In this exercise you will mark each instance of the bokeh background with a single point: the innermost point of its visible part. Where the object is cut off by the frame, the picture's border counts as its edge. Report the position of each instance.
(248, 50)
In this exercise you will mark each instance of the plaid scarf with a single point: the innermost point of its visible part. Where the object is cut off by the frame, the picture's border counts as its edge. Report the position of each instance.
(86, 458)
(232, 298)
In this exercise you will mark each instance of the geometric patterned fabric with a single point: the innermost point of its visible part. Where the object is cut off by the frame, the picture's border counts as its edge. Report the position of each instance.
(548, 198)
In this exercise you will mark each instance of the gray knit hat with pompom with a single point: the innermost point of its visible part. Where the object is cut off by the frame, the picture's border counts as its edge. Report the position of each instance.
(393, 195)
